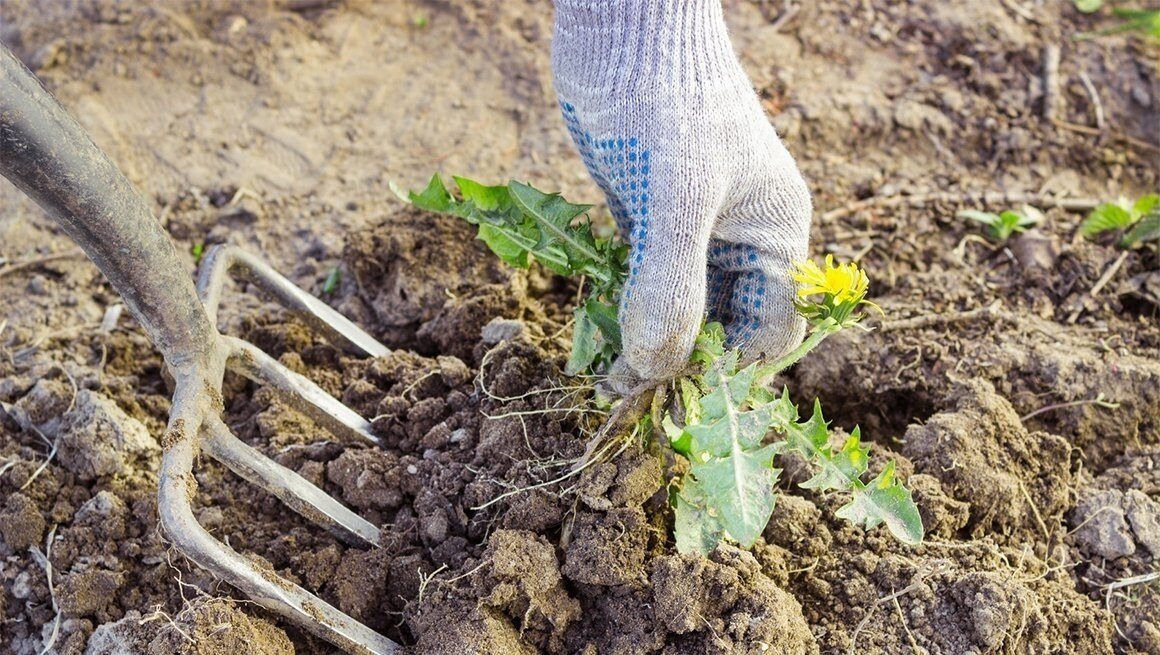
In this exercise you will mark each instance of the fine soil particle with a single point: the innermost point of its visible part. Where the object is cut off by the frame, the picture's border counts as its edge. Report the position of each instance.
(1020, 403)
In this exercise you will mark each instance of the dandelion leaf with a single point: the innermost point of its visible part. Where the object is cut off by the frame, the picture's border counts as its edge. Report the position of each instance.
(484, 197)
(696, 530)
(739, 489)
(810, 438)
(434, 198)
(885, 500)
(584, 346)
(732, 471)
(843, 468)
(553, 216)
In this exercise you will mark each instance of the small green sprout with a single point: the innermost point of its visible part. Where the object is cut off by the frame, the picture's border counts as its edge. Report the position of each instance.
(1136, 222)
(198, 251)
(333, 278)
(1145, 21)
(419, 21)
(1003, 225)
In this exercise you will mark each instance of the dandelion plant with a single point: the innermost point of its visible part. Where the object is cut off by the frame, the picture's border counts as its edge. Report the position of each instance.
(724, 420)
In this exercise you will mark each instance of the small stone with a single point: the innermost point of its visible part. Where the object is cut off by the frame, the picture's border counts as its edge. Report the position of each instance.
(1144, 515)
(38, 285)
(502, 329)
(1102, 527)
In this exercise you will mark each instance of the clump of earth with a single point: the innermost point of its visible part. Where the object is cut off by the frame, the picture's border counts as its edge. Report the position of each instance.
(1016, 384)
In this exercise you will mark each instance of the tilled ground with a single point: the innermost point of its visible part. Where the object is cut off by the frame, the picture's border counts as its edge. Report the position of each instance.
(276, 127)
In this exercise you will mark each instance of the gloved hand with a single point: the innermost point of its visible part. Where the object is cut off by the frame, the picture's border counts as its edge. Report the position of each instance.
(713, 205)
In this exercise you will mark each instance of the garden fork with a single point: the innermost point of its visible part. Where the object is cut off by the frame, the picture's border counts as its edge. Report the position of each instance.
(48, 156)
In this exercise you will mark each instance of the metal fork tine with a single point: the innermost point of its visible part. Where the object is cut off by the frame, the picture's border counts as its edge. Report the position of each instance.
(177, 488)
(308, 398)
(339, 330)
(294, 490)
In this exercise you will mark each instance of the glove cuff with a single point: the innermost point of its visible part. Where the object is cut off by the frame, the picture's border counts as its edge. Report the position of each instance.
(613, 48)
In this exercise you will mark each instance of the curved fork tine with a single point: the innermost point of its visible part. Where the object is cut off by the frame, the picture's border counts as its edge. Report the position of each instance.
(305, 396)
(339, 330)
(265, 587)
(300, 495)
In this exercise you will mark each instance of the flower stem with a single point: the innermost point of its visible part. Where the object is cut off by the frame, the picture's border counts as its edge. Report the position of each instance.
(824, 329)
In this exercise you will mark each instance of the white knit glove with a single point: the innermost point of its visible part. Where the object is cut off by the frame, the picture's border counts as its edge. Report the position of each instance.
(713, 205)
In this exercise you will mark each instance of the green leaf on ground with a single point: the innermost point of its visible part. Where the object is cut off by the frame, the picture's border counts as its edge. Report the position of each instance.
(521, 224)
(884, 500)
(1105, 218)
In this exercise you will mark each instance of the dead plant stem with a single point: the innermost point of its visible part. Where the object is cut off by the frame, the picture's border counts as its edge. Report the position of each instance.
(37, 261)
(984, 198)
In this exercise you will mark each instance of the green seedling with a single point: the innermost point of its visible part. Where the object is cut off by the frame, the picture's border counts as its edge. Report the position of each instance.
(198, 251)
(725, 421)
(333, 278)
(1145, 21)
(1003, 225)
(1135, 222)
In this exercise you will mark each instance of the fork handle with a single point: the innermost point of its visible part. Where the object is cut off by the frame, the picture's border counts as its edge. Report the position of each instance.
(47, 155)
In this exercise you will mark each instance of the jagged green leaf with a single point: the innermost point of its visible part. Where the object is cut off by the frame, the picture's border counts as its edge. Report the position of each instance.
(1147, 229)
(738, 489)
(1105, 218)
(434, 198)
(484, 197)
(810, 438)
(695, 528)
(885, 500)
(505, 244)
(584, 346)
(554, 216)
(841, 470)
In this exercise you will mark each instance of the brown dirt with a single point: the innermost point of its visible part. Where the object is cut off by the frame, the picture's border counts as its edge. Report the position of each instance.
(278, 129)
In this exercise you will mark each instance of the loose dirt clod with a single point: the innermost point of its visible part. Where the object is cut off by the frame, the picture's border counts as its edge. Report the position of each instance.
(901, 114)
(98, 439)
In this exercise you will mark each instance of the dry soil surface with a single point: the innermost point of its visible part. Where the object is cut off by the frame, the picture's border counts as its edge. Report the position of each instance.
(278, 125)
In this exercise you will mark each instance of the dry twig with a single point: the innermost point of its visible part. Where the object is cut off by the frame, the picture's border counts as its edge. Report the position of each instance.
(931, 320)
(1101, 122)
(37, 261)
(786, 16)
(984, 198)
(1050, 81)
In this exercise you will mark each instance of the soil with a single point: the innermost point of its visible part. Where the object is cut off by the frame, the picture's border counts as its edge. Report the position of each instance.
(278, 125)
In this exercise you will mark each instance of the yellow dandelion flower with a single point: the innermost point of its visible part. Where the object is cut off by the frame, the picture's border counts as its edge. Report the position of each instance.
(844, 282)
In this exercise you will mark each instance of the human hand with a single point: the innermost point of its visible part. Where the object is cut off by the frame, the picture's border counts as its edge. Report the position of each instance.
(713, 205)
